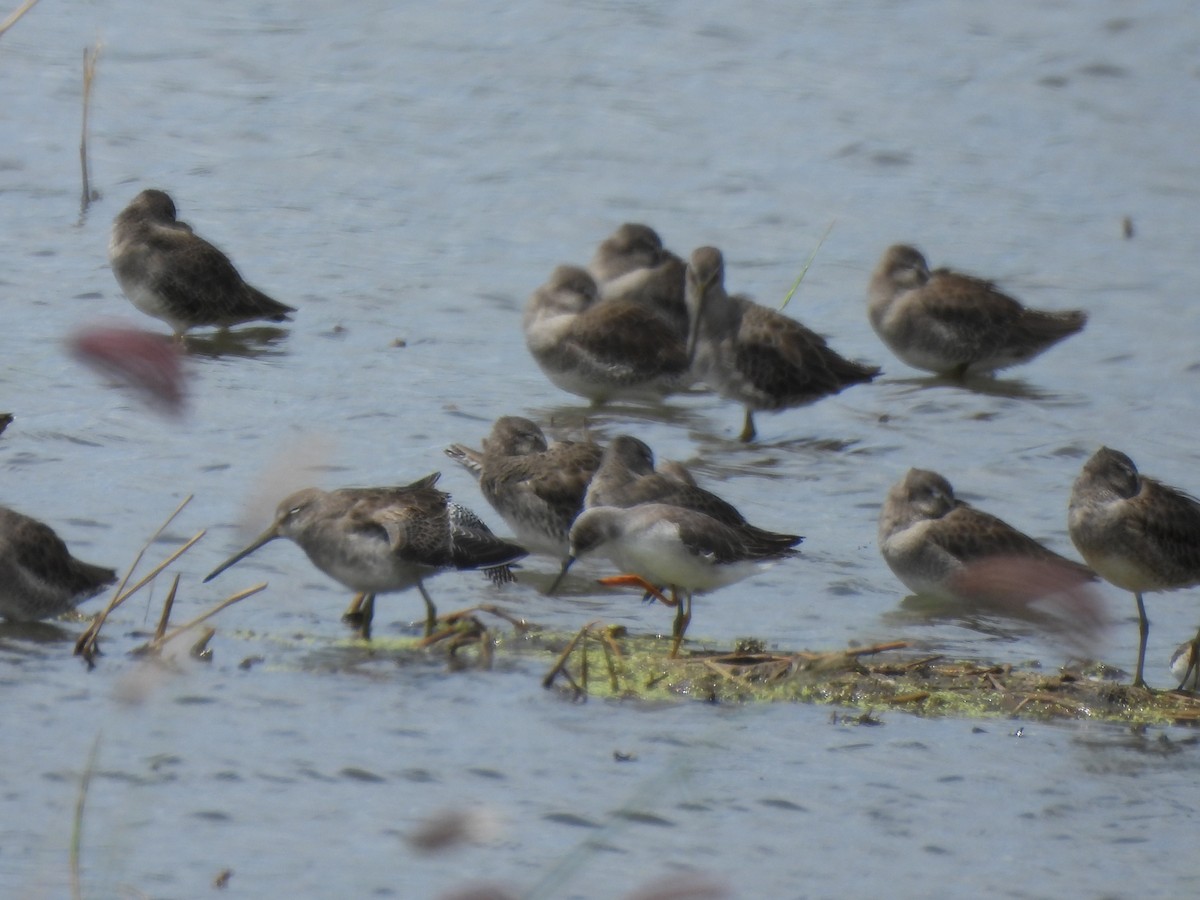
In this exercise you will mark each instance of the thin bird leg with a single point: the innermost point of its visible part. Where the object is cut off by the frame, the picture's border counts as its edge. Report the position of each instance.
(683, 618)
(748, 432)
(639, 582)
(368, 614)
(430, 610)
(353, 613)
(1143, 634)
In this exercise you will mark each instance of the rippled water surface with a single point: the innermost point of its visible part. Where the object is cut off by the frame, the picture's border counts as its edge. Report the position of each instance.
(406, 177)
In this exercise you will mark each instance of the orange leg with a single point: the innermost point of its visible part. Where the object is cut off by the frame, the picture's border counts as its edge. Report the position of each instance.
(639, 582)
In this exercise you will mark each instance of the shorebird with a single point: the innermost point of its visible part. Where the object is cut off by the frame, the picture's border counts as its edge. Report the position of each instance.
(954, 324)
(662, 544)
(940, 546)
(601, 350)
(754, 355)
(536, 487)
(39, 577)
(630, 248)
(1136, 532)
(385, 539)
(632, 265)
(169, 272)
(627, 477)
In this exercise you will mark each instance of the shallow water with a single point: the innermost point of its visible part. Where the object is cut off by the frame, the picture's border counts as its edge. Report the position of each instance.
(411, 175)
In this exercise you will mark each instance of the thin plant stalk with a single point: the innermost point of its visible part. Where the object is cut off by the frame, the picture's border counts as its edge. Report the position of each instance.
(165, 616)
(804, 271)
(85, 781)
(86, 644)
(158, 642)
(16, 14)
(146, 546)
(90, 55)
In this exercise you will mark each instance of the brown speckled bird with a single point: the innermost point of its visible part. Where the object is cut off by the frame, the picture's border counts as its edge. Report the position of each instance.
(602, 350)
(169, 272)
(946, 322)
(756, 355)
(536, 487)
(385, 539)
(1136, 532)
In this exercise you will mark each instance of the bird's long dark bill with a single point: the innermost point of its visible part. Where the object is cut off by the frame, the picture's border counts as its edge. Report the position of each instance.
(269, 535)
(561, 575)
(694, 327)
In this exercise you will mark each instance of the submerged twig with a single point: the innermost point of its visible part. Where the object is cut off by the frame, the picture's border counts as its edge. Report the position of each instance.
(804, 271)
(16, 14)
(612, 652)
(560, 664)
(90, 55)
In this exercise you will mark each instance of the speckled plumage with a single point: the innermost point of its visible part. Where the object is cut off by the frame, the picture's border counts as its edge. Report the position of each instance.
(944, 321)
(929, 538)
(631, 247)
(385, 539)
(536, 487)
(1136, 532)
(39, 577)
(169, 272)
(601, 350)
(632, 265)
(627, 477)
(754, 355)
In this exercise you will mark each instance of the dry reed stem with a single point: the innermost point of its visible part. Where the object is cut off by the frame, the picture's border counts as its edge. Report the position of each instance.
(157, 643)
(146, 546)
(165, 616)
(16, 14)
(90, 55)
(560, 664)
(85, 646)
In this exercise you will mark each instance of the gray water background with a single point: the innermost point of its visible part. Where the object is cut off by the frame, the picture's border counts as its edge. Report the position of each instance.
(404, 173)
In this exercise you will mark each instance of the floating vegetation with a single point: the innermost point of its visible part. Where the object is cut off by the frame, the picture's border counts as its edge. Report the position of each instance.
(872, 678)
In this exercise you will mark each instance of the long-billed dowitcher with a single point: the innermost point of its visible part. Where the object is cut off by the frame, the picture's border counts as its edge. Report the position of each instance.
(668, 545)
(1137, 532)
(627, 477)
(39, 577)
(940, 546)
(601, 350)
(632, 265)
(946, 322)
(631, 247)
(755, 355)
(169, 272)
(536, 487)
(385, 539)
